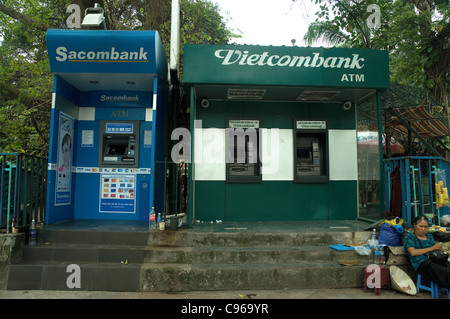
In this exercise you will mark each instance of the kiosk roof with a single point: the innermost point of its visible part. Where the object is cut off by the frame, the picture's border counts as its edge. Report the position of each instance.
(112, 60)
(284, 73)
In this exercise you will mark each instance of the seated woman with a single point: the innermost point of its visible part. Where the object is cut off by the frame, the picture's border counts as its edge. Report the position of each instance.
(418, 254)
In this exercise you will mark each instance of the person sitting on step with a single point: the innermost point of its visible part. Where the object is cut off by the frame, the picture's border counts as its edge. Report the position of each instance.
(418, 253)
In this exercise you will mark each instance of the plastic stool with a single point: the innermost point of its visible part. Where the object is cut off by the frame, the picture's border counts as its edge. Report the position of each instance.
(384, 280)
(431, 287)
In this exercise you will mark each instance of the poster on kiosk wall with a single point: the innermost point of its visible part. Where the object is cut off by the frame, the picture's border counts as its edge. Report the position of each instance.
(64, 161)
(117, 192)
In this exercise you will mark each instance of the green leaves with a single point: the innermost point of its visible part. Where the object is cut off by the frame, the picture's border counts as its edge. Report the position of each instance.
(25, 77)
(416, 34)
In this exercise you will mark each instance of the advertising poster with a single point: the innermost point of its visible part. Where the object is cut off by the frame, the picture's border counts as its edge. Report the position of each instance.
(117, 193)
(64, 160)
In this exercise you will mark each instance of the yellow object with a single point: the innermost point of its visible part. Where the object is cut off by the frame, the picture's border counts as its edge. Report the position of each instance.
(445, 195)
(441, 195)
(392, 222)
(439, 186)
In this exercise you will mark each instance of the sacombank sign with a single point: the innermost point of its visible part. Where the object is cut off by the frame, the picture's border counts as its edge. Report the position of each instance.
(111, 55)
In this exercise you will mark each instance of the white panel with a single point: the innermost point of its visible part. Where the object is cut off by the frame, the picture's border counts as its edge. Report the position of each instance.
(65, 106)
(343, 159)
(154, 100)
(209, 154)
(86, 114)
(277, 155)
(148, 114)
(53, 100)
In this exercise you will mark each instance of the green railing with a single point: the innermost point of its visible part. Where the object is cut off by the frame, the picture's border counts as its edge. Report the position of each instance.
(23, 190)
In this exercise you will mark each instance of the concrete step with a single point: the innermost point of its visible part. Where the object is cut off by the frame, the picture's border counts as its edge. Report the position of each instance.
(83, 253)
(93, 276)
(272, 255)
(186, 255)
(92, 237)
(184, 260)
(186, 238)
(249, 255)
(249, 239)
(106, 253)
(108, 276)
(176, 277)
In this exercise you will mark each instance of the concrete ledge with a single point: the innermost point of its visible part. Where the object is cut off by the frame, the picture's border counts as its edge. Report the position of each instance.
(10, 253)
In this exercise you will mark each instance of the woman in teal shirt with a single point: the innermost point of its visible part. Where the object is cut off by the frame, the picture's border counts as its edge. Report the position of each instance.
(418, 254)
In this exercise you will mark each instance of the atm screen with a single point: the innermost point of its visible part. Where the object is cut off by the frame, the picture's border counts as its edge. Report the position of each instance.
(303, 153)
(116, 149)
(118, 145)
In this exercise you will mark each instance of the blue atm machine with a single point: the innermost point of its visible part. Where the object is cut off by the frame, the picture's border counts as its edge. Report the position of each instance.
(108, 125)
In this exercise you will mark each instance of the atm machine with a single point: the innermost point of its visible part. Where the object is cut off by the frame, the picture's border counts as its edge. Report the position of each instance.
(310, 162)
(309, 159)
(110, 98)
(119, 144)
(118, 160)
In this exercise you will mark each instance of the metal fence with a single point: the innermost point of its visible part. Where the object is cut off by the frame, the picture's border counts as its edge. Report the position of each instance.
(23, 190)
(175, 192)
(410, 186)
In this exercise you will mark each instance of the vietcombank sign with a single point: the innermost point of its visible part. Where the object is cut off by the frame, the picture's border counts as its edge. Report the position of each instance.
(315, 61)
(286, 66)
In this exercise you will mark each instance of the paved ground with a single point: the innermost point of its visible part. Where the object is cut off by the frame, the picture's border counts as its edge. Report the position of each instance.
(349, 293)
(211, 304)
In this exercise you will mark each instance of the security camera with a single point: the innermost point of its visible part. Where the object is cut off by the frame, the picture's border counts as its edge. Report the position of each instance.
(93, 20)
(205, 103)
(94, 17)
(347, 106)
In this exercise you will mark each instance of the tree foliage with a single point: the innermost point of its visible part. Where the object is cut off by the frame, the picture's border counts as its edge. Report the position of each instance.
(415, 32)
(25, 77)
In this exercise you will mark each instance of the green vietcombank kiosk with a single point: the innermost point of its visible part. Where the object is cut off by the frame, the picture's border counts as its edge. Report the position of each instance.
(273, 130)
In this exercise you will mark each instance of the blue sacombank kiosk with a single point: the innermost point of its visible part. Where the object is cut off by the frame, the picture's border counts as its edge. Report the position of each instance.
(108, 125)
